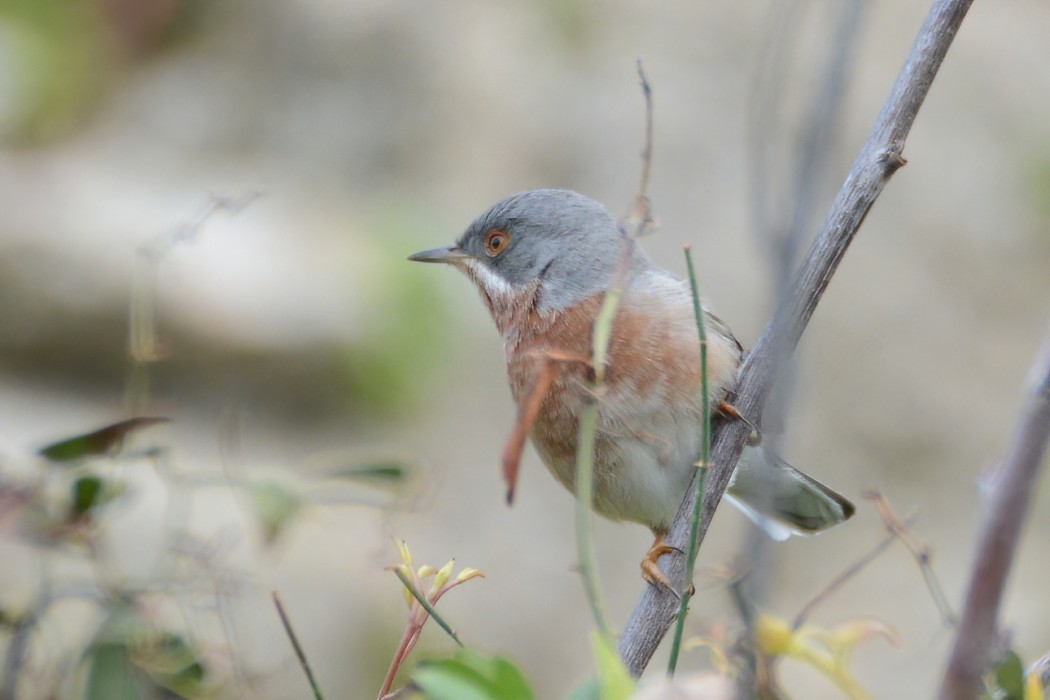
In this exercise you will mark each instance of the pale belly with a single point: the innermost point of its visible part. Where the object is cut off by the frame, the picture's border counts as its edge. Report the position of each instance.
(641, 471)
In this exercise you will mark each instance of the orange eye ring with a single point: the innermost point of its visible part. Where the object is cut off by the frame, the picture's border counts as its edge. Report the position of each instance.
(496, 241)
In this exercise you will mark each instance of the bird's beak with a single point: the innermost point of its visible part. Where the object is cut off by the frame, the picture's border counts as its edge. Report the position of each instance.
(451, 254)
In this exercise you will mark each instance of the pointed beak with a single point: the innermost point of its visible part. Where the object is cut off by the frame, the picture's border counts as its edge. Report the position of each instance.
(450, 254)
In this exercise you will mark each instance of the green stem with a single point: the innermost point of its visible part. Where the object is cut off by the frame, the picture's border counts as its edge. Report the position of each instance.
(705, 455)
(585, 447)
(422, 599)
(588, 561)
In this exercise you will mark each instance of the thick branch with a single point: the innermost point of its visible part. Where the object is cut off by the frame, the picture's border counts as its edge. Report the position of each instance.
(1008, 506)
(879, 158)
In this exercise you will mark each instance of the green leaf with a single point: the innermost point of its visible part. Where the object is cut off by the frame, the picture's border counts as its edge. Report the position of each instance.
(86, 493)
(99, 442)
(90, 493)
(131, 659)
(1009, 676)
(510, 681)
(275, 506)
(616, 681)
(588, 690)
(468, 676)
(112, 676)
(173, 664)
(386, 474)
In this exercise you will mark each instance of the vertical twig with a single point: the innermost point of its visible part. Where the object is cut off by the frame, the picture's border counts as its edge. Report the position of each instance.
(814, 146)
(585, 448)
(641, 215)
(705, 454)
(144, 347)
(783, 241)
(997, 542)
(879, 158)
(771, 80)
(588, 561)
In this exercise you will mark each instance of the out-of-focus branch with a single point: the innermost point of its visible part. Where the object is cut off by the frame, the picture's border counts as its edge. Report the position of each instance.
(783, 245)
(997, 542)
(879, 158)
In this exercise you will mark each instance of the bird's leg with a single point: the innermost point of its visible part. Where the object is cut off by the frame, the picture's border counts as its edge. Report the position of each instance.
(651, 569)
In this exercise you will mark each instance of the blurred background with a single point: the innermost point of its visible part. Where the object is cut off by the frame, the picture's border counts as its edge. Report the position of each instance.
(293, 339)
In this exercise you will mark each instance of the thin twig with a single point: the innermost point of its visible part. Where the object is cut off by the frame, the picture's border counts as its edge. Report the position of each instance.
(642, 214)
(705, 455)
(920, 551)
(1000, 532)
(764, 116)
(299, 653)
(814, 146)
(783, 241)
(587, 442)
(144, 345)
(600, 342)
(839, 581)
(587, 559)
(879, 158)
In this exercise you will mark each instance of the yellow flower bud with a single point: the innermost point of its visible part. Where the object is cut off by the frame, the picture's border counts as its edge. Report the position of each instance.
(468, 573)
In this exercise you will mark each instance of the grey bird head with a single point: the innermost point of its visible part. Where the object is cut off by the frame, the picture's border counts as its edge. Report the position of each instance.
(568, 244)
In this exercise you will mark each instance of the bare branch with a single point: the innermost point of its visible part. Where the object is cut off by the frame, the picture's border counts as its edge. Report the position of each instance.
(299, 653)
(879, 158)
(642, 215)
(997, 542)
(921, 552)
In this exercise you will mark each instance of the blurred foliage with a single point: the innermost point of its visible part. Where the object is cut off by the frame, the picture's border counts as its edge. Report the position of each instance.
(131, 659)
(384, 473)
(1009, 678)
(470, 676)
(411, 333)
(98, 442)
(58, 65)
(274, 506)
(828, 651)
(1037, 177)
(149, 639)
(62, 57)
(614, 681)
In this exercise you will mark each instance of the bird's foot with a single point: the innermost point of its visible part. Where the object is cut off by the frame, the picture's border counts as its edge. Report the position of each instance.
(651, 571)
(730, 411)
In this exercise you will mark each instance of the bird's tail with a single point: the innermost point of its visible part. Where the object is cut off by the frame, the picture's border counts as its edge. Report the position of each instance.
(782, 500)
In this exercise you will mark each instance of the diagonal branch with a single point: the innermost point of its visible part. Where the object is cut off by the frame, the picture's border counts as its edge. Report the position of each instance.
(879, 158)
(1000, 532)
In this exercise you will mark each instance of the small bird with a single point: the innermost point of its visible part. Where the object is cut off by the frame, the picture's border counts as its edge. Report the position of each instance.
(543, 261)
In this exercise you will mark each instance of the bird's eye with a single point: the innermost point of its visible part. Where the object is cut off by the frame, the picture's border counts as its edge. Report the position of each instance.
(496, 241)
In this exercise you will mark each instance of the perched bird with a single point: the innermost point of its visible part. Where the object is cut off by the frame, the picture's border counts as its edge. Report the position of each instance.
(543, 261)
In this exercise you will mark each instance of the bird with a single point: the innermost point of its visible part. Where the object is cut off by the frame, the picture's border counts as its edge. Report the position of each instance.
(543, 261)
